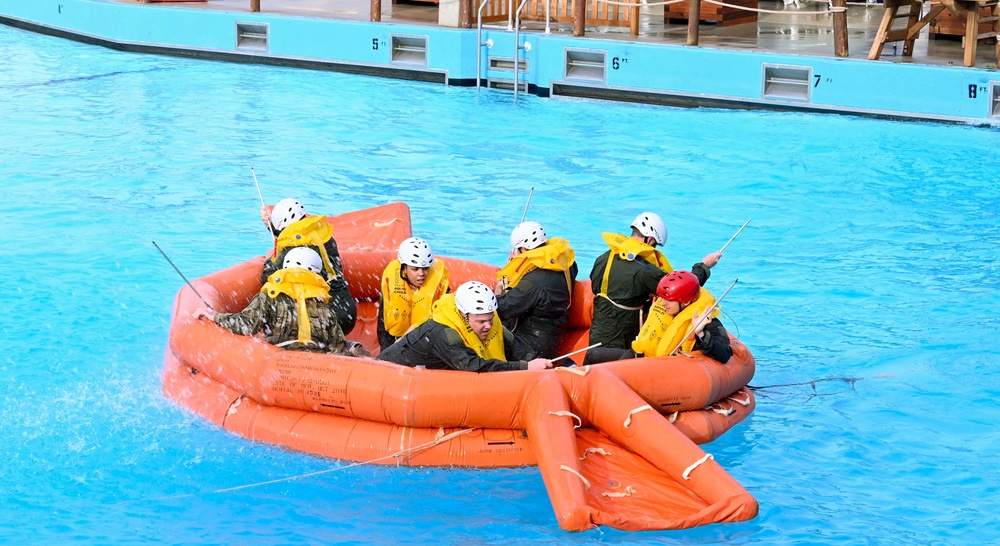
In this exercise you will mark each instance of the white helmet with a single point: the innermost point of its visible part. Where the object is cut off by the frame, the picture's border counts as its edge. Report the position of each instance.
(303, 257)
(528, 235)
(415, 252)
(475, 298)
(651, 225)
(287, 212)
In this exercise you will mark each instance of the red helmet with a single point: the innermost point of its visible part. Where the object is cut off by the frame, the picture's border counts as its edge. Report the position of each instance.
(679, 286)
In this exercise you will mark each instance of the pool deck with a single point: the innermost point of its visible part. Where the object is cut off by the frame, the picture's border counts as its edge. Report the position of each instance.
(783, 61)
(801, 30)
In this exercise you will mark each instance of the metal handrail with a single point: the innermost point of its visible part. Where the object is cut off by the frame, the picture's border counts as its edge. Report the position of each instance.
(517, 50)
(479, 41)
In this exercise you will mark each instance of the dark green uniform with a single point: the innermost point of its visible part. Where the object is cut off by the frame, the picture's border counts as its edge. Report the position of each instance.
(631, 285)
(440, 347)
(277, 318)
(537, 309)
(341, 301)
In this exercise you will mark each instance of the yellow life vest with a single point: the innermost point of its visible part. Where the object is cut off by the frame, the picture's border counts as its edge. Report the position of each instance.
(447, 313)
(630, 249)
(662, 332)
(554, 255)
(300, 285)
(309, 231)
(404, 307)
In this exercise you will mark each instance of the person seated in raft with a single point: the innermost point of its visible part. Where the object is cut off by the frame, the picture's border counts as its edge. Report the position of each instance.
(291, 310)
(625, 277)
(680, 304)
(464, 334)
(535, 288)
(410, 286)
(293, 228)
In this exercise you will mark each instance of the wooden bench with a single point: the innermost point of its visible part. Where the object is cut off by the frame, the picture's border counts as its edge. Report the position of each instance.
(722, 15)
(969, 10)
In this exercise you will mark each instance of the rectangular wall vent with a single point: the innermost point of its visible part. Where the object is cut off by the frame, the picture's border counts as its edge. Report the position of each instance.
(409, 49)
(995, 99)
(586, 64)
(507, 64)
(787, 82)
(251, 36)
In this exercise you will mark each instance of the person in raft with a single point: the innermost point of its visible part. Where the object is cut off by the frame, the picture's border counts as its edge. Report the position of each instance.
(626, 276)
(680, 304)
(535, 288)
(464, 334)
(410, 286)
(293, 228)
(291, 310)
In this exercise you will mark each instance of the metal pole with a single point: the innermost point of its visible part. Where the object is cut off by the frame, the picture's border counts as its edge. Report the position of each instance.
(191, 286)
(578, 351)
(523, 216)
(734, 236)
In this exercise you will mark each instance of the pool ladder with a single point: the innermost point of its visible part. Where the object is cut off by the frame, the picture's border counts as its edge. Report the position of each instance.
(512, 25)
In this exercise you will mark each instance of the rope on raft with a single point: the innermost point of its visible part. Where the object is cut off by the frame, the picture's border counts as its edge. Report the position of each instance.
(440, 438)
(812, 383)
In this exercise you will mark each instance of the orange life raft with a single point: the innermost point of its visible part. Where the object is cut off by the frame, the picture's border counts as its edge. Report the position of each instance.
(613, 441)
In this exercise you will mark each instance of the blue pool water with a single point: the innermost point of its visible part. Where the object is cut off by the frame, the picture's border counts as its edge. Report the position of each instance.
(872, 254)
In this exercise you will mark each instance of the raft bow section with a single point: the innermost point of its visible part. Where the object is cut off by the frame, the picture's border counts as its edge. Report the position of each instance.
(626, 458)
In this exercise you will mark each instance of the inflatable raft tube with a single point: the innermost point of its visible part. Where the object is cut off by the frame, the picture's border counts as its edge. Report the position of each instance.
(372, 411)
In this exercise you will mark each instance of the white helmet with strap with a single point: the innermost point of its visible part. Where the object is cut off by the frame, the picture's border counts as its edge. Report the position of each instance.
(303, 257)
(529, 235)
(286, 212)
(651, 225)
(415, 252)
(475, 298)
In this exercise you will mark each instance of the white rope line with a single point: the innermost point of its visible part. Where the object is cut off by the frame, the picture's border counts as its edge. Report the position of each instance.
(439, 439)
(628, 420)
(616, 495)
(236, 404)
(673, 416)
(377, 225)
(699, 462)
(641, 3)
(598, 450)
(586, 482)
(568, 414)
(575, 369)
(779, 12)
(738, 401)
(722, 410)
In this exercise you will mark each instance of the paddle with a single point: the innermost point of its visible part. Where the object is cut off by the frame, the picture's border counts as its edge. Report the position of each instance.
(704, 316)
(191, 286)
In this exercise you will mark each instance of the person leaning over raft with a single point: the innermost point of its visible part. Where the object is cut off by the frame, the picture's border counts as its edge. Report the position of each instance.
(293, 228)
(464, 334)
(410, 286)
(625, 277)
(534, 289)
(680, 304)
(291, 310)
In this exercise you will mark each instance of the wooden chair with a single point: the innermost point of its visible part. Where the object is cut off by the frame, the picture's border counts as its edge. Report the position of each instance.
(969, 9)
